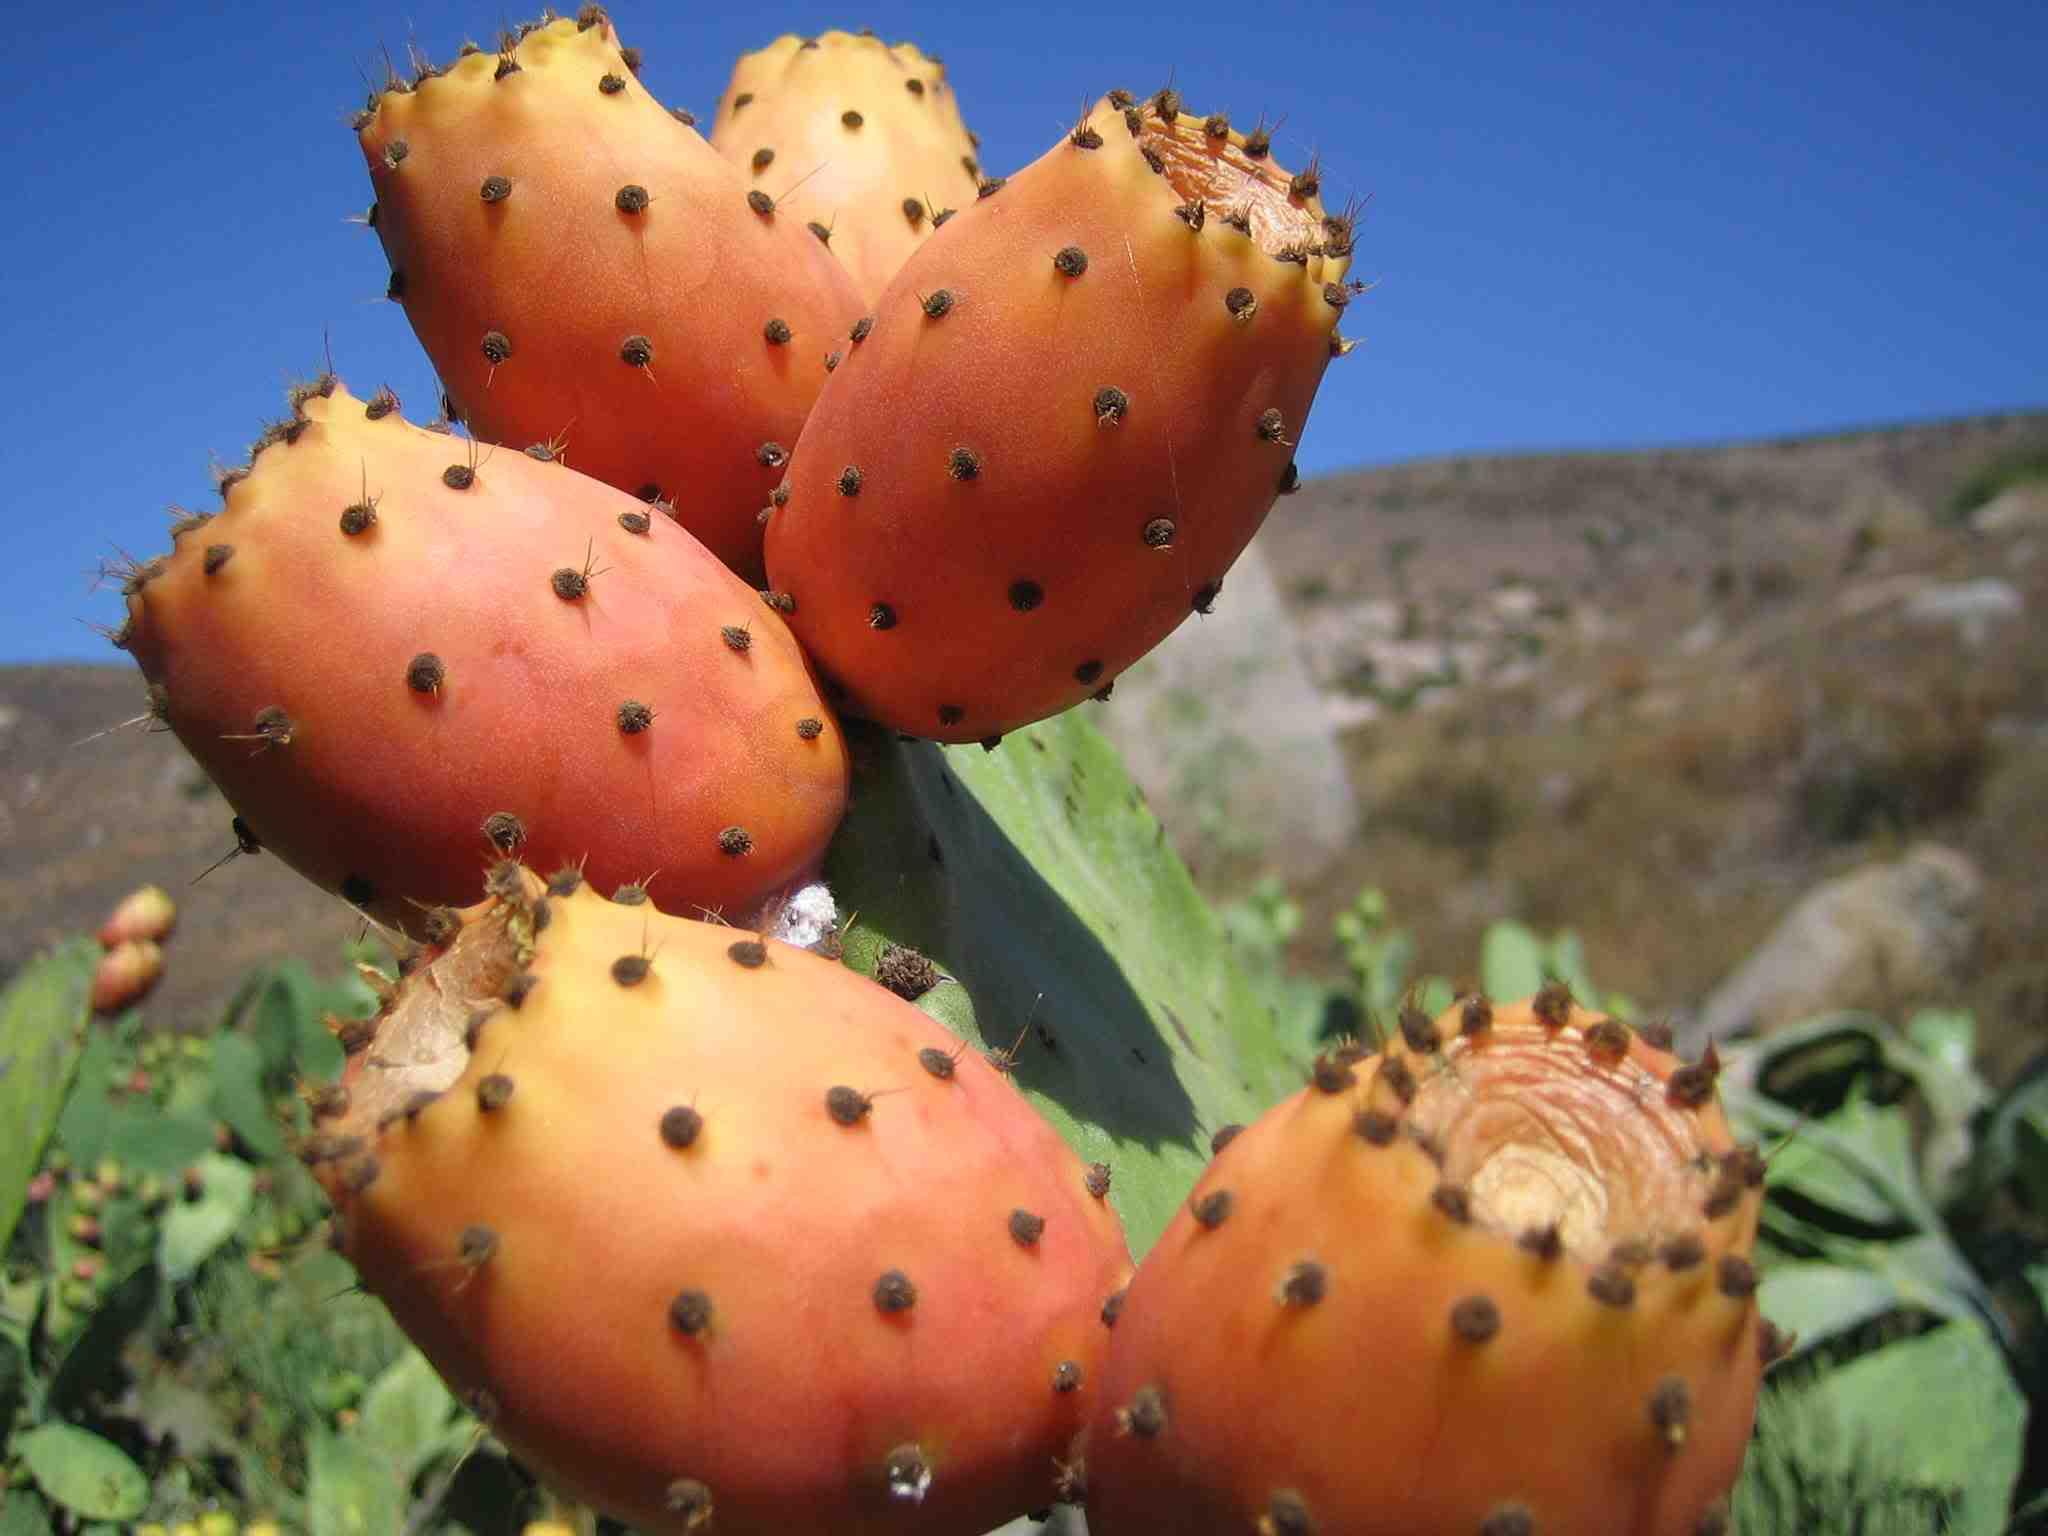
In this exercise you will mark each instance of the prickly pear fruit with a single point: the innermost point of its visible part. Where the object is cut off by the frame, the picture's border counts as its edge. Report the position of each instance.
(716, 1234)
(147, 912)
(1063, 422)
(872, 130)
(1493, 1280)
(127, 973)
(393, 650)
(590, 277)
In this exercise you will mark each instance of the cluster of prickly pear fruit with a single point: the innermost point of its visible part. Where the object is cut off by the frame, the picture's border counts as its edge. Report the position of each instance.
(131, 939)
(714, 1232)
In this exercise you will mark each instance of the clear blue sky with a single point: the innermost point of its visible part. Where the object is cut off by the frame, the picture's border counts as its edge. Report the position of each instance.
(1591, 225)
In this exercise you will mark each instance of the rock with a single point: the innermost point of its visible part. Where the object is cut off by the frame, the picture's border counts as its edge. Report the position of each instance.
(1971, 606)
(2019, 506)
(1877, 938)
(1224, 729)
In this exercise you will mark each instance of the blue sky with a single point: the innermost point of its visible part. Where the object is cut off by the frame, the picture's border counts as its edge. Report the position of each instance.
(1594, 225)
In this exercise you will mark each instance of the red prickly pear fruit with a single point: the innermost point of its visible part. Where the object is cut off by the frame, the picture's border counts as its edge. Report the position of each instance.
(718, 1235)
(1494, 1280)
(144, 913)
(1066, 418)
(126, 974)
(399, 655)
(873, 129)
(590, 278)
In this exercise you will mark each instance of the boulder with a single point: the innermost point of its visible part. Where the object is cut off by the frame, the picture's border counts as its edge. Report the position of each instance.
(2017, 506)
(1877, 938)
(1226, 732)
(1973, 607)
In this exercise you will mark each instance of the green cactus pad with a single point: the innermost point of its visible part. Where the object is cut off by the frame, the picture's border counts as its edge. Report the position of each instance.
(42, 1032)
(1038, 881)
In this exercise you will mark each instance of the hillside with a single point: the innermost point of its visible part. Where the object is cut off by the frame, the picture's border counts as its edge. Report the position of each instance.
(1656, 696)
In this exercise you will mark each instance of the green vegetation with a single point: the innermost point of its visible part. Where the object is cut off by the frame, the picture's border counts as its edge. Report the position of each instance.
(1988, 483)
(180, 1350)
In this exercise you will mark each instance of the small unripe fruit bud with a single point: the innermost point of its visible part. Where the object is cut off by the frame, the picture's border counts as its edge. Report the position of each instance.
(148, 913)
(126, 974)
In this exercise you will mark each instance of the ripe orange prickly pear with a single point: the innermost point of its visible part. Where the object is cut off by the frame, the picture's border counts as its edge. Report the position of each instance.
(874, 132)
(393, 650)
(718, 1235)
(1066, 417)
(1494, 1281)
(587, 273)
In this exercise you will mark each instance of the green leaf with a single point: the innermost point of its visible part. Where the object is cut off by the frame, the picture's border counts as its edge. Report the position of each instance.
(238, 1096)
(193, 1229)
(92, 1352)
(409, 1417)
(283, 1001)
(2013, 1151)
(1567, 962)
(1845, 1196)
(42, 1019)
(22, 1513)
(351, 1489)
(1948, 1036)
(88, 1114)
(1511, 961)
(82, 1472)
(1818, 1300)
(1942, 1412)
(320, 1056)
(152, 1140)
(13, 1378)
(169, 1408)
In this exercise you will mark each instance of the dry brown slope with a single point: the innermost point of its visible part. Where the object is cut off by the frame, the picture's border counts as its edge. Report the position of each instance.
(83, 821)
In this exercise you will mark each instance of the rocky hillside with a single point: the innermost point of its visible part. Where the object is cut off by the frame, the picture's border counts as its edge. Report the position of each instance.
(1654, 696)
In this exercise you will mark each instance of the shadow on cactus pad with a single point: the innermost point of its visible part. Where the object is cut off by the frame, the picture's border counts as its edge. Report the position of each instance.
(1067, 932)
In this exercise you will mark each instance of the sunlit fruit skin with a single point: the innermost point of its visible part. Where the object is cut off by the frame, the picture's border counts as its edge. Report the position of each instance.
(717, 1234)
(1065, 418)
(586, 272)
(399, 655)
(1493, 1281)
(865, 137)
